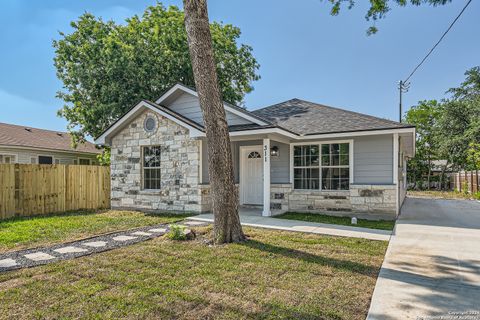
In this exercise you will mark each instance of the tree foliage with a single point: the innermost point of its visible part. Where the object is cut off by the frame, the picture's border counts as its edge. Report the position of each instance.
(448, 130)
(107, 67)
(379, 8)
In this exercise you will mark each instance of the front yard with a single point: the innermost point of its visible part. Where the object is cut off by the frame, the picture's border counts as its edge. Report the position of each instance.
(21, 233)
(273, 275)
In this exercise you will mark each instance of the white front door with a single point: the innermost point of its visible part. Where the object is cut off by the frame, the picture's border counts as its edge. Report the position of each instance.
(251, 175)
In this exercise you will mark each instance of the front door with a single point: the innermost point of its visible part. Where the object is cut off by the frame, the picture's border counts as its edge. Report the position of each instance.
(251, 175)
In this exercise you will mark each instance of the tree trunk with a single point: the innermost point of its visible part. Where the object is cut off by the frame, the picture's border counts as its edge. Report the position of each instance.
(429, 172)
(226, 226)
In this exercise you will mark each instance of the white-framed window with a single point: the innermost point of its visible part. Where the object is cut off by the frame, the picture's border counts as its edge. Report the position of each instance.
(7, 158)
(151, 167)
(324, 166)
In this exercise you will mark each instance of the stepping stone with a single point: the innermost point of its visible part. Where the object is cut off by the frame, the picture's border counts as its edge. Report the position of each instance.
(7, 263)
(70, 250)
(123, 238)
(158, 230)
(141, 233)
(39, 256)
(95, 244)
(194, 223)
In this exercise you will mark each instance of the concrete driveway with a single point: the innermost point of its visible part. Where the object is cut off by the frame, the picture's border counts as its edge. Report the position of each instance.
(432, 265)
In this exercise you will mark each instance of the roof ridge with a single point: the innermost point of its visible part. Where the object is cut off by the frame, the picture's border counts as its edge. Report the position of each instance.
(349, 111)
(315, 104)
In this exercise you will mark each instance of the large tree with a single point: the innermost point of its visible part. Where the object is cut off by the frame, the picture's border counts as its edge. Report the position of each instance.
(107, 67)
(226, 226)
(424, 116)
(379, 8)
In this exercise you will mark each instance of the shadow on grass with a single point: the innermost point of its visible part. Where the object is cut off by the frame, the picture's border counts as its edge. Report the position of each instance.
(312, 258)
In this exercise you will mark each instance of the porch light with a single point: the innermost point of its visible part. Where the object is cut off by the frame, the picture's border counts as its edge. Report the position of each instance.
(274, 152)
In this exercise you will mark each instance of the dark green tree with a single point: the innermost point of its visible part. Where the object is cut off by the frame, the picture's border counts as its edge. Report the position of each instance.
(425, 117)
(107, 67)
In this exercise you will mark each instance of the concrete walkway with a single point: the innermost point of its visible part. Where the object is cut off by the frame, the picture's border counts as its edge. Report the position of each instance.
(432, 265)
(253, 219)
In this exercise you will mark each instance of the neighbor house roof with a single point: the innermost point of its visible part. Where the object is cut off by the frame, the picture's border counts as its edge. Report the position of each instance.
(28, 137)
(307, 118)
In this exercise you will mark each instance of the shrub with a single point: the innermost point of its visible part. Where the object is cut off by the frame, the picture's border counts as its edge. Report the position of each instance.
(176, 232)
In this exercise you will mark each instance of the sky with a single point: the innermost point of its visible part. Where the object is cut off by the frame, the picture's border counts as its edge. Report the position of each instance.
(303, 52)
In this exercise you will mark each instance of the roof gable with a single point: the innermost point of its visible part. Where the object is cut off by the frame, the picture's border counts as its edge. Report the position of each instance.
(184, 100)
(195, 129)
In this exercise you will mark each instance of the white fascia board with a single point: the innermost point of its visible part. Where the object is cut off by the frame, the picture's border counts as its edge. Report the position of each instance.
(194, 93)
(321, 136)
(194, 132)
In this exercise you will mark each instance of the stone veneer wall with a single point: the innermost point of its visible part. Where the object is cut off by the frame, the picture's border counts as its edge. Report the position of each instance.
(180, 160)
(369, 201)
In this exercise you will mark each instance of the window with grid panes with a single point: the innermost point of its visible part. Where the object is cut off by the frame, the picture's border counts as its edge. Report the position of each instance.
(321, 166)
(151, 167)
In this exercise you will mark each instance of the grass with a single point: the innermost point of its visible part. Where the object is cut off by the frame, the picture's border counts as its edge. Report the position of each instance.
(444, 194)
(21, 233)
(273, 275)
(345, 221)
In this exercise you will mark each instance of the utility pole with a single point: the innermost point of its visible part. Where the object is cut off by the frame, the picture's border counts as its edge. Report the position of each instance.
(402, 87)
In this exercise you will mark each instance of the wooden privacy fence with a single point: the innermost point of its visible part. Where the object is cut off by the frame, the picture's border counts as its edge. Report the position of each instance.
(465, 181)
(33, 189)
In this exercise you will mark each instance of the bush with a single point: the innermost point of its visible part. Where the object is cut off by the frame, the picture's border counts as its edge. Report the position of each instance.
(177, 232)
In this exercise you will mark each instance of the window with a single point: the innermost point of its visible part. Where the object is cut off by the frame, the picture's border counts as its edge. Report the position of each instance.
(151, 167)
(306, 167)
(84, 162)
(150, 124)
(335, 166)
(45, 160)
(254, 155)
(322, 166)
(7, 158)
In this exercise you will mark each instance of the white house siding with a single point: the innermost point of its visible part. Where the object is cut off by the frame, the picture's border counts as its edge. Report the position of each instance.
(180, 167)
(188, 106)
(25, 155)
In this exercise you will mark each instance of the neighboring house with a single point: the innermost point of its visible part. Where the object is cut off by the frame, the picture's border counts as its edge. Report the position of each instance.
(19, 144)
(292, 156)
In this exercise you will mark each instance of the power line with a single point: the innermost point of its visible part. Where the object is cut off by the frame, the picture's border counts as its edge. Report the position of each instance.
(438, 42)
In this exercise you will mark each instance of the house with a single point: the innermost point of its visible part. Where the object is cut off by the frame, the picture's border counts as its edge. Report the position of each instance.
(292, 156)
(20, 144)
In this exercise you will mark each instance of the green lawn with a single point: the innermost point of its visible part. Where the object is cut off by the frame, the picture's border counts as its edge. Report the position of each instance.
(21, 233)
(273, 275)
(345, 221)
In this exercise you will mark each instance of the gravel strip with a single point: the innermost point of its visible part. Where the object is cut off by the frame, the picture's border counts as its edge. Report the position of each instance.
(39, 256)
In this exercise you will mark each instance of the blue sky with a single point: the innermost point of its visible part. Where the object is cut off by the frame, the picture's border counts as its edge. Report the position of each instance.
(303, 52)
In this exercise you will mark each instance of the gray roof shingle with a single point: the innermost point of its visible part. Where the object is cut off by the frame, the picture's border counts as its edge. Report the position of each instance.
(307, 118)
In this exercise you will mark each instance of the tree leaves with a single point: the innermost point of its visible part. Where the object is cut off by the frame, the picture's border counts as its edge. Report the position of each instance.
(106, 67)
(379, 8)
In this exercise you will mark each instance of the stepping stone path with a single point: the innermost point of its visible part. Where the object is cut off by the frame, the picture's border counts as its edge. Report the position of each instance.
(39, 256)
(70, 250)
